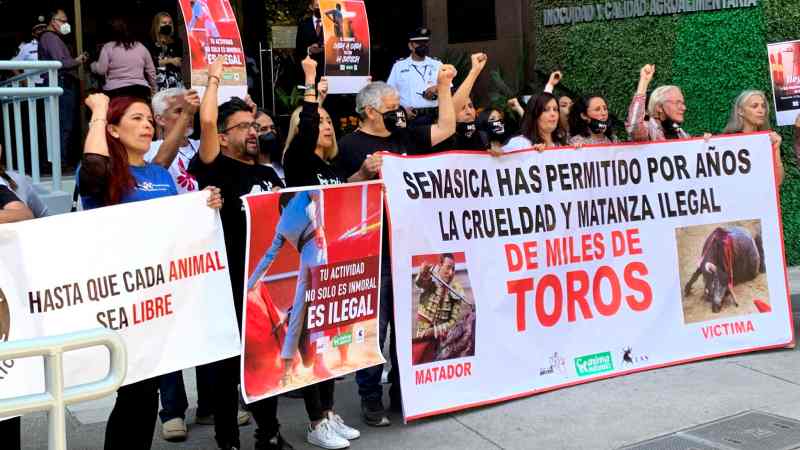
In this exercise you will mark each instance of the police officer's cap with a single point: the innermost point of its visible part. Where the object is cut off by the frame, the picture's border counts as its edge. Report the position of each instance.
(421, 34)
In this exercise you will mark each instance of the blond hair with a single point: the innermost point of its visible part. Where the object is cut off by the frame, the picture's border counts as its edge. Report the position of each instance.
(294, 129)
(736, 123)
(658, 98)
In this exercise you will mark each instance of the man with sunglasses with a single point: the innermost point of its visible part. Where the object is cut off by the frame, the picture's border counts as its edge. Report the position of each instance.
(228, 158)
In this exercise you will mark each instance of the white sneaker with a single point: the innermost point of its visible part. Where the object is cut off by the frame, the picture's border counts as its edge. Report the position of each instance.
(174, 430)
(335, 421)
(323, 436)
(243, 417)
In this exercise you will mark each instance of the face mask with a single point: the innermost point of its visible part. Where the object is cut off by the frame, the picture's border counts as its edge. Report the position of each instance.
(598, 126)
(166, 30)
(671, 128)
(317, 13)
(394, 120)
(422, 51)
(65, 29)
(268, 145)
(497, 128)
(466, 129)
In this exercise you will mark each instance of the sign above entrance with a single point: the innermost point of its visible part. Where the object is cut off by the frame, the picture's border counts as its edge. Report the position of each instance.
(613, 10)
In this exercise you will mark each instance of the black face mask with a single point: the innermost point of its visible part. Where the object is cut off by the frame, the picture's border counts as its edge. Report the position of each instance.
(671, 128)
(497, 128)
(598, 126)
(268, 145)
(317, 13)
(165, 30)
(466, 129)
(394, 120)
(422, 51)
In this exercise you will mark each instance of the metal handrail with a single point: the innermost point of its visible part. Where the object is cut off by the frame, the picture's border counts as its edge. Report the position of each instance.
(12, 95)
(55, 398)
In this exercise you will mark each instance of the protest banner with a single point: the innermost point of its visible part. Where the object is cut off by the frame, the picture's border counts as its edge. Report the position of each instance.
(347, 45)
(784, 70)
(536, 271)
(155, 272)
(212, 32)
(311, 286)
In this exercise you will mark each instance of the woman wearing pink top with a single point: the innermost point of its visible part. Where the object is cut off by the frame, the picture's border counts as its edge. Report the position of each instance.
(126, 65)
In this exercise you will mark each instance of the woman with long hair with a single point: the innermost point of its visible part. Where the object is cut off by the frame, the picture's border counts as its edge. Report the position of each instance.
(540, 127)
(126, 64)
(166, 50)
(22, 187)
(492, 122)
(589, 123)
(113, 171)
(749, 113)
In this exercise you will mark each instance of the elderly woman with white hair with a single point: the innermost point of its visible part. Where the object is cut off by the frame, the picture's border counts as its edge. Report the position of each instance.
(750, 112)
(665, 111)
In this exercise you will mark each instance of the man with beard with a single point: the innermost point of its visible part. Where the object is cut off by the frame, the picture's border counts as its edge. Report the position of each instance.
(439, 308)
(228, 158)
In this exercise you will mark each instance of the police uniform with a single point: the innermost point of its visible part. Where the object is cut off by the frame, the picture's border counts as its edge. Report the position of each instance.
(411, 78)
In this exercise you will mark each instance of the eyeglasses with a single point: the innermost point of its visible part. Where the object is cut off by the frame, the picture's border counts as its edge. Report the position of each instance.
(59, 19)
(677, 103)
(244, 126)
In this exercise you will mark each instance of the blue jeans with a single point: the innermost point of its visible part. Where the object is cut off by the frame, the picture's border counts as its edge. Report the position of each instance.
(173, 395)
(369, 379)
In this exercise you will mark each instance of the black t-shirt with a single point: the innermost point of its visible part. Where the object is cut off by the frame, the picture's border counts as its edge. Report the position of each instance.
(479, 141)
(234, 179)
(301, 165)
(6, 196)
(356, 146)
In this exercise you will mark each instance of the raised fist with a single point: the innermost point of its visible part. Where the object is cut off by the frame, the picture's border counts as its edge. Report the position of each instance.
(97, 103)
(446, 74)
(479, 61)
(647, 73)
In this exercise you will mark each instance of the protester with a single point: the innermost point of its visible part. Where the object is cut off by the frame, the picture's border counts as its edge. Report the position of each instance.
(588, 121)
(516, 107)
(310, 38)
(540, 127)
(113, 171)
(166, 50)
(750, 112)
(564, 102)
(126, 64)
(29, 51)
(492, 122)
(228, 158)
(52, 47)
(383, 128)
(270, 150)
(415, 79)
(174, 111)
(467, 136)
(665, 111)
(23, 188)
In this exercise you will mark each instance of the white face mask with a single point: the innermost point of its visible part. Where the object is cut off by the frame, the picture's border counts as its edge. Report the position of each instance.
(65, 29)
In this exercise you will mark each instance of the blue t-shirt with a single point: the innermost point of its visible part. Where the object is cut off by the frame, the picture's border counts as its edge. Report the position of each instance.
(152, 181)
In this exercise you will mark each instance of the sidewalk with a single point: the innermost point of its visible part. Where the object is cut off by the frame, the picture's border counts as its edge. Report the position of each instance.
(601, 415)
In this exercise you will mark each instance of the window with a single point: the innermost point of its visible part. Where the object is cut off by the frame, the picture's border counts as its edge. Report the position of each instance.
(471, 21)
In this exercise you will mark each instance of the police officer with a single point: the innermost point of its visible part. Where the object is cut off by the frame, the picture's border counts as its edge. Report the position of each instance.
(415, 79)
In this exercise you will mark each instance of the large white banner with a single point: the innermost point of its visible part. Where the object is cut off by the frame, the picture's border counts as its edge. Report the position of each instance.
(154, 271)
(536, 271)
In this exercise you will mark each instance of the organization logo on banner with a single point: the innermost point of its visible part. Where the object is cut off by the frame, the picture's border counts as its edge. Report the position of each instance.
(594, 364)
(557, 364)
(630, 358)
(343, 339)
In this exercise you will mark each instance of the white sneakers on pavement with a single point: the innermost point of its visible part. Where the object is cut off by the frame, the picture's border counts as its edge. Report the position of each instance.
(341, 429)
(174, 430)
(324, 436)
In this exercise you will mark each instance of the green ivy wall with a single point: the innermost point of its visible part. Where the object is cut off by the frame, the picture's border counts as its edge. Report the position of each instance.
(712, 55)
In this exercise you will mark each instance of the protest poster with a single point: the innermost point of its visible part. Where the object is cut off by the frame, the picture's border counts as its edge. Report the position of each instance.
(156, 272)
(311, 286)
(536, 271)
(212, 32)
(347, 45)
(784, 71)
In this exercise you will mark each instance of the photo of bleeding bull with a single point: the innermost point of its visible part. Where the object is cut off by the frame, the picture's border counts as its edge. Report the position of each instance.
(727, 262)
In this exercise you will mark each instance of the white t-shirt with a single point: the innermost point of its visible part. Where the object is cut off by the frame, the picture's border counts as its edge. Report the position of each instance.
(411, 78)
(517, 143)
(29, 51)
(180, 166)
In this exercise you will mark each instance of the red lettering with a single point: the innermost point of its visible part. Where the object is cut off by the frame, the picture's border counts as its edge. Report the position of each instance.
(467, 369)
(554, 253)
(600, 247)
(586, 247)
(577, 294)
(617, 243)
(219, 261)
(750, 326)
(739, 327)
(519, 288)
(616, 294)
(634, 242)
(552, 282)
(513, 257)
(638, 284)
